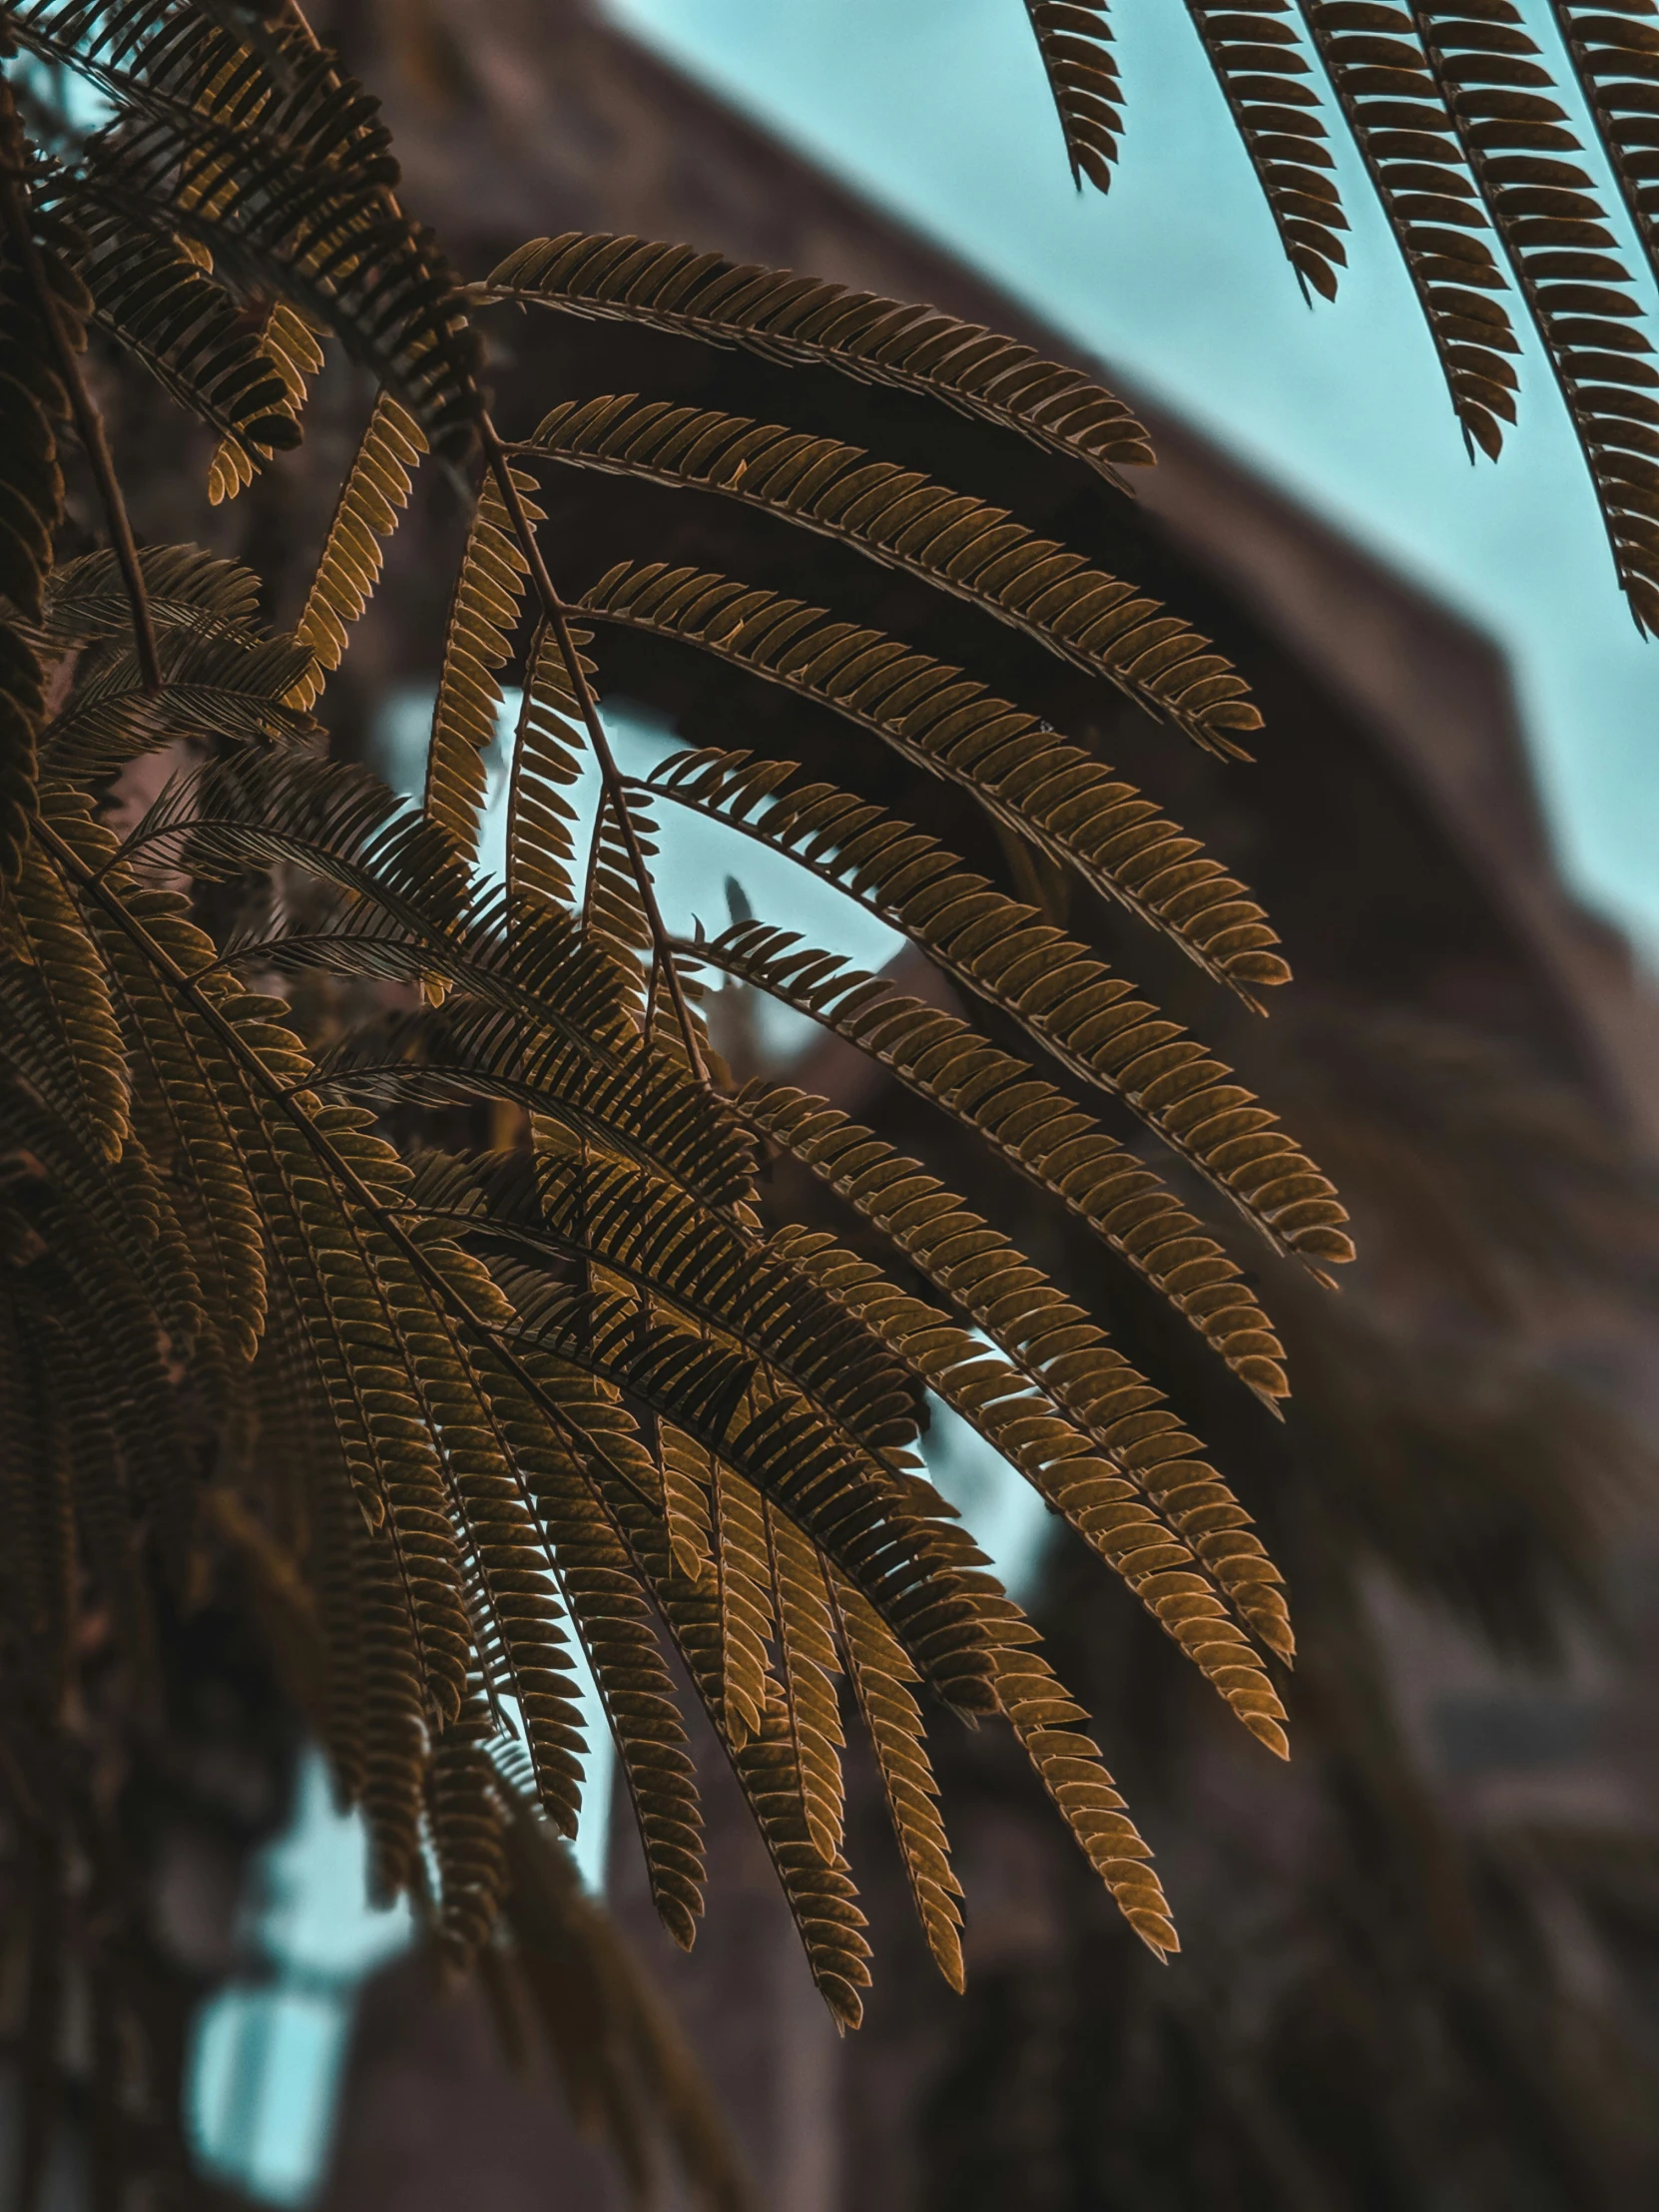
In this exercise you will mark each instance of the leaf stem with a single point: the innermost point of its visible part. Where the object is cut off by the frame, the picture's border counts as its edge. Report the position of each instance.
(558, 619)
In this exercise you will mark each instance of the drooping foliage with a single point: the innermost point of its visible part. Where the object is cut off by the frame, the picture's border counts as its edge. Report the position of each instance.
(469, 1330)
(1506, 220)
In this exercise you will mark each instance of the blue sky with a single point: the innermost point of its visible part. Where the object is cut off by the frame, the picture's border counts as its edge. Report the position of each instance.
(938, 109)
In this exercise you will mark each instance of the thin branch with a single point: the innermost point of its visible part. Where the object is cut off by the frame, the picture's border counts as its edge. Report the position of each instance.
(89, 424)
(558, 619)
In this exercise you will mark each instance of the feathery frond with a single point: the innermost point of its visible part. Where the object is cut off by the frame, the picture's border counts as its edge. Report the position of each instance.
(795, 320)
(1259, 64)
(548, 750)
(42, 309)
(882, 1677)
(291, 346)
(1612, 50)
(1527, 164)
(1036, 1127)
(1074, 38)
(1051, 793)
(1406, 139)
(159, 303)
(371, 499)
(467, 1314)
(1048, 1338)
(1458, 123)
(899, 518)
(1031, 1432)
(276, 163)
(489, 593)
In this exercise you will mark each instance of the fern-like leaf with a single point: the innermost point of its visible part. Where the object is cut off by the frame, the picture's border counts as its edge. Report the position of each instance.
(72, 978)
(794, 320)
(548, 750)
(742, 1583)
(1044, 1719)
(1528, 166)
(579, 1470)
(1259, 64)
(763, 1372)
(688, 1483)
(1051, 793)
(489, 592)
(371, 501)
(947, 539)
(218, 684)
(275, 163)
(33, 403)
(291, 346)
(881, 1676)
(1074, 38)
(820, 1896)
(1407, 138)
(185, 1111)
(807, 1666)
(1031, 1430)
(467, 1823)
(1049, 1341)
(1063, 998)
(186, 587)
(166, 311)
(1612, 50)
